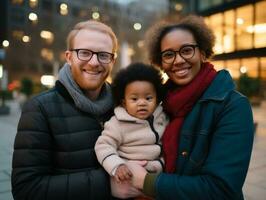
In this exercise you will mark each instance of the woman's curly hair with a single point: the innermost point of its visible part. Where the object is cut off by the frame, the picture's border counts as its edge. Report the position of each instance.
(136, 72)
(203, 35)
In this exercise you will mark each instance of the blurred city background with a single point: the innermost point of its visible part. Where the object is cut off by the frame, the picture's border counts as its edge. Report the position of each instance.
(33, 34)
(32, 45)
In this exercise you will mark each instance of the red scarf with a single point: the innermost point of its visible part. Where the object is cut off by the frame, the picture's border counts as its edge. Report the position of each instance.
(177, 104)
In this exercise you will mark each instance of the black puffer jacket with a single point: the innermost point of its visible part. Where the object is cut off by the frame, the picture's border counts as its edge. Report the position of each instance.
(54, 154)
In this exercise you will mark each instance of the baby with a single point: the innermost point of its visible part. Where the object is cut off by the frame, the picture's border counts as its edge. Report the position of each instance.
(135, 130)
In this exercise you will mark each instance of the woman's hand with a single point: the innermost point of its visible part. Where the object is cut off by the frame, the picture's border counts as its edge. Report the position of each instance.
(138, 171)
(123, 190)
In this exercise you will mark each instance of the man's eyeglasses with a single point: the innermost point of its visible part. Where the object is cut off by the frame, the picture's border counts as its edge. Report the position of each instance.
(86, 55)
(186, 52)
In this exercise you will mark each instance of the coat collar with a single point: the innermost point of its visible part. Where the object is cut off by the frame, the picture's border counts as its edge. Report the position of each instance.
(220, 87)
(63, 91)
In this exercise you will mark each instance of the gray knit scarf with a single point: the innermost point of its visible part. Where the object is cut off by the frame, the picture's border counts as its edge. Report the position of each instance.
(98, 107)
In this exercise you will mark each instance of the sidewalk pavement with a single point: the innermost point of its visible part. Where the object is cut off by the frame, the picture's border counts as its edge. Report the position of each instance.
(254, 188)
(255, 185)
(8, 127)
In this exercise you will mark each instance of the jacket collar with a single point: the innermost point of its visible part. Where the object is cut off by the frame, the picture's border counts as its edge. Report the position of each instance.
(63, 91)
(220, 87)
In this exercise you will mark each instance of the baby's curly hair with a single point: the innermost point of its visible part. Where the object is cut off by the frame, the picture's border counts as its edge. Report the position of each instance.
(203, 35)
(136, 72)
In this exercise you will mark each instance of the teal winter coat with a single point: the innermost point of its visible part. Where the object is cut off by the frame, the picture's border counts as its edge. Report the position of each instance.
(215, 147)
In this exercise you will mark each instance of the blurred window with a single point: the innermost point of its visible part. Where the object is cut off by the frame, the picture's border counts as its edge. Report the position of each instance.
(17, 34)
(244, 19)
(216, 24)
(47, 54)
(233, 67)
(260, 25)
(17, 2)
(229, 31)
(48, 36)
(33, 3)
(62, 8)
(263, 67)
(251, 64)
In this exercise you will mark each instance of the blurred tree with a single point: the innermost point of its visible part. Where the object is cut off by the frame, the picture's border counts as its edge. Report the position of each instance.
(249, 86)
(26, 86)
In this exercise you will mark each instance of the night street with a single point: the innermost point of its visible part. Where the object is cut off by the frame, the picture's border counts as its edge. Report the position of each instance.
(254, 189)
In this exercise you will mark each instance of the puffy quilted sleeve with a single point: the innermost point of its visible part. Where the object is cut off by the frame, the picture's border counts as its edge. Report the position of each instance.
(33, 173)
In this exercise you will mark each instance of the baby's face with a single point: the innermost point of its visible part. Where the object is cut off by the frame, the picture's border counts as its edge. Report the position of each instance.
(140, 99)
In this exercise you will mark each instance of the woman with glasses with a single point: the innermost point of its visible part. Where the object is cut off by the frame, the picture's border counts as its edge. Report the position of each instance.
(207, 144)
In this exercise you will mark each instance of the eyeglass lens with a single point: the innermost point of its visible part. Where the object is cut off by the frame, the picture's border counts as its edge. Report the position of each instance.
(86, 55)
(186, 52)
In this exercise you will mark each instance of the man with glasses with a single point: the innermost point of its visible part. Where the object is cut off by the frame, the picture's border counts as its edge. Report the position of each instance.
(54, 154)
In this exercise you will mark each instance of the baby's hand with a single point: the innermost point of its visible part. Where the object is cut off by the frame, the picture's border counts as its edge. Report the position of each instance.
(122, 173)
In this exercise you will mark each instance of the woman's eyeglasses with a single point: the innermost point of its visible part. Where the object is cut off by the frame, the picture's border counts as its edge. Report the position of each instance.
(185, 52)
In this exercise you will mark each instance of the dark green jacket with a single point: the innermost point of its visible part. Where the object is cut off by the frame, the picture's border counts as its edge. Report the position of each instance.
(215, 147)
(54, 156)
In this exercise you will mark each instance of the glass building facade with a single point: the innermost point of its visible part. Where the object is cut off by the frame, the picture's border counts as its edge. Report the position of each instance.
(36, 30)
(240, 30)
